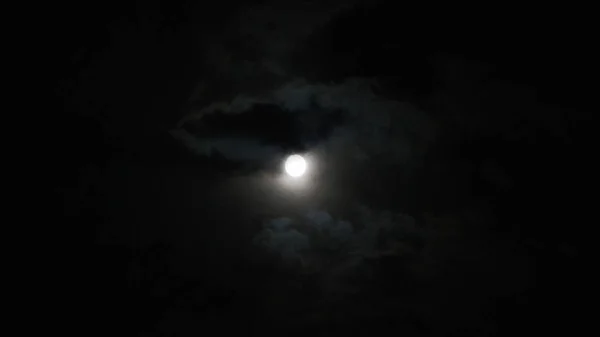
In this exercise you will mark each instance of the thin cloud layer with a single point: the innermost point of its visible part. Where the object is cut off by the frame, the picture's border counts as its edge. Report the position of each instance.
(318, 233)
(366, 127)
(250, 61)
(337, 255)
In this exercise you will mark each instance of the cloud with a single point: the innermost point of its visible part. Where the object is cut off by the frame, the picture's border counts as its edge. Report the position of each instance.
(324, 231)
(339, 253)
(345, 119)
(341, 230)
(280, 224)
(249, 64)
(191, 142)
(320, 219)
(280, 238)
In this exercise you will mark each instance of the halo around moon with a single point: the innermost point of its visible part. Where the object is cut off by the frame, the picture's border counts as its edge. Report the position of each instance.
(295, 165)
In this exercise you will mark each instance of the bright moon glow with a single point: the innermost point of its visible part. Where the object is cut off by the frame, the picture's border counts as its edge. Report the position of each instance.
(295, 165)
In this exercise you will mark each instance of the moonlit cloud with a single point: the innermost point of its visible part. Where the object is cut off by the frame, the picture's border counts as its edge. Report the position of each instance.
(371, 126)
(319, 218)
(268, 36)
(362, 237)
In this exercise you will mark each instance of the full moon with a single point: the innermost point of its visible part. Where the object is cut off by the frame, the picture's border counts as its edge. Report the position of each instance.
(295, 165)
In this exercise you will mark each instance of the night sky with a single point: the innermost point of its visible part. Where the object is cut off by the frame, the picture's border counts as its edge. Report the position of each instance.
(447, 190)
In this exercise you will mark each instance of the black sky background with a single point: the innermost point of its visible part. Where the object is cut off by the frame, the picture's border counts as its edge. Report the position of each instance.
(163, 236)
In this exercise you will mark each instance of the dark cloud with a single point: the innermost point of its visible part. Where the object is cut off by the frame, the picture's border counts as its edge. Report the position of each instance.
(341, 259)
(424, 168)
(347, 121)
(355, 132)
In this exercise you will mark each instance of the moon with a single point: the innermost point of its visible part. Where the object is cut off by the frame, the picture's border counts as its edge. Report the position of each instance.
(295, 165)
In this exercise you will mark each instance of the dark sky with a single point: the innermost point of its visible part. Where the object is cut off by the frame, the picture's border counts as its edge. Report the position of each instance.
(447, 182)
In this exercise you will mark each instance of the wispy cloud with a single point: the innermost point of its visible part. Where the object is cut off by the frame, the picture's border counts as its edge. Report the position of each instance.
(367, 126)
(250, 63)
(371, 233)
